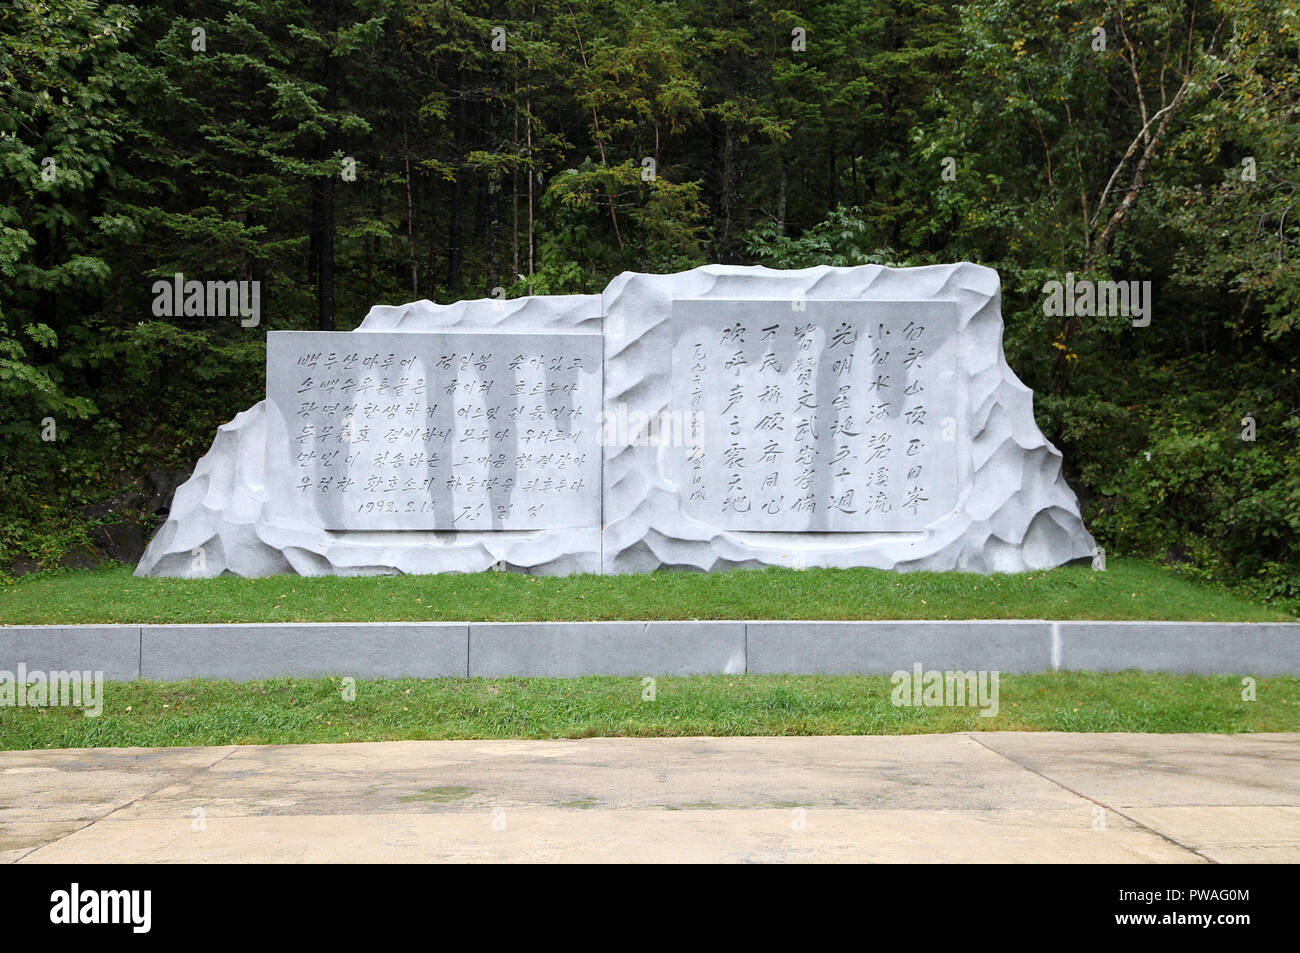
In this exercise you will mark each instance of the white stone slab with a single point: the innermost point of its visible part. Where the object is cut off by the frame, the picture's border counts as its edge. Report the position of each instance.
(235, 515)
(458, 431)
(816, 416)
(998, 504)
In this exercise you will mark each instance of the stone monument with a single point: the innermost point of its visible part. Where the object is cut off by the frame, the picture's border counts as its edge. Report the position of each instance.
(721, 417)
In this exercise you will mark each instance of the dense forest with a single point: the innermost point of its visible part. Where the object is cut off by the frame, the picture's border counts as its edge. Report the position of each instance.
(345, 153)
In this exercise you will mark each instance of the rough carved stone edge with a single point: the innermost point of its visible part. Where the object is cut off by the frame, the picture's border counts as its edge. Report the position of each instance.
(226, 512)
(1017, 514)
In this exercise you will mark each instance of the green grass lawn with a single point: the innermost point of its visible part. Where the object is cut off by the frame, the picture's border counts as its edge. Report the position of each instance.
(293, 711)
(1128, 589)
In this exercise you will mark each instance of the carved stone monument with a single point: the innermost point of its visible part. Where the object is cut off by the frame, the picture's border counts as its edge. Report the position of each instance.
(721, 417)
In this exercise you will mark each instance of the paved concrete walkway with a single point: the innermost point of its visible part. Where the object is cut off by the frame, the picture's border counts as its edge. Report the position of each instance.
(920, 798)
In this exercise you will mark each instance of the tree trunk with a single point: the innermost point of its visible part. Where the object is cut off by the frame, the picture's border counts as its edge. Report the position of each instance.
(325, 190)
(532, 178)
(728, 197)
(783, 190)
(410, 217)
(454, 251)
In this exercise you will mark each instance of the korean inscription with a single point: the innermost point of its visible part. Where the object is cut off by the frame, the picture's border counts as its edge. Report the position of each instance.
(445, 431)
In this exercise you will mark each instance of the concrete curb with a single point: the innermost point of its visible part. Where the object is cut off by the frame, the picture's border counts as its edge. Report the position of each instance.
(243, 652)
(360, 649)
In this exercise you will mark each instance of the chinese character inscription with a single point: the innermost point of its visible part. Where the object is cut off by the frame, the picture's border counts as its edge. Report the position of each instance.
(832, 416)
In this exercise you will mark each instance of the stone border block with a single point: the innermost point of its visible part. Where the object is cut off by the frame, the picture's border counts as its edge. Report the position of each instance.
(849, 648)
(255, 651)
(111, 649)
(567, 649)
(1193, 648)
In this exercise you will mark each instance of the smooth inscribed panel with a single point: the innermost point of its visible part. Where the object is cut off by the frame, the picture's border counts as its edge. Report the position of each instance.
(829, 416)
(455, 431)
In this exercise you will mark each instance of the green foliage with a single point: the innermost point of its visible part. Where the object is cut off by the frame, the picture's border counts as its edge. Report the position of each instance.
(613, 135)
(843, 239)
(1229, 507)
(585, 244)
(1128, 589)
(57, 70)
(306, 711)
